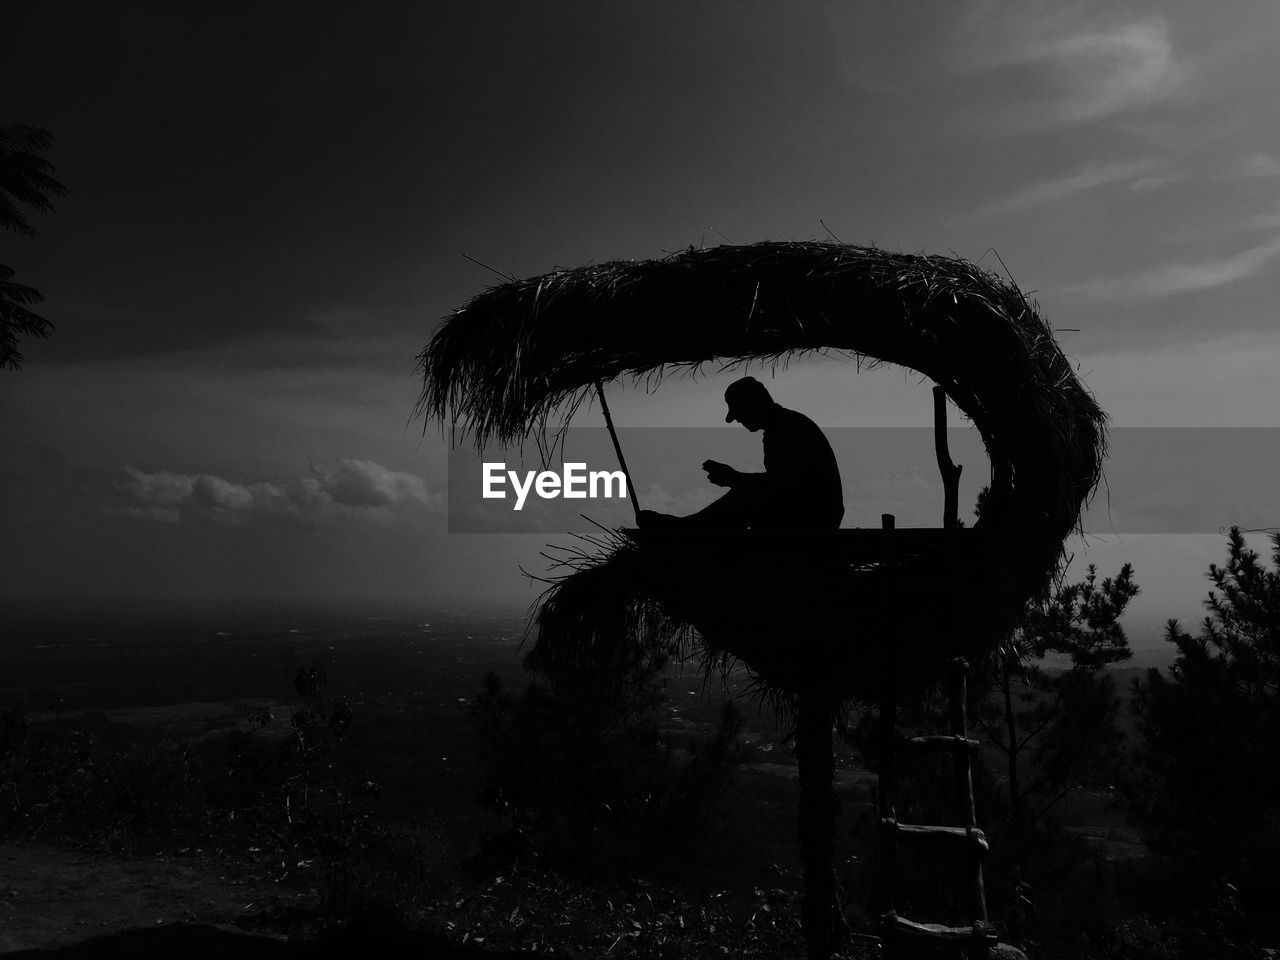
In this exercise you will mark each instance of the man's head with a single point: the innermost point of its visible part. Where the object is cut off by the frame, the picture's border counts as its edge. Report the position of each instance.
(749, 403)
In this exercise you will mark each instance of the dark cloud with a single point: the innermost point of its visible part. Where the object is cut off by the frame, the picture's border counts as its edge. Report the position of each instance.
(236, 175)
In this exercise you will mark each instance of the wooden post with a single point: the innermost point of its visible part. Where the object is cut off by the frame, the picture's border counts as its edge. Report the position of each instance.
(819, 912)
(950, 472)
(888, 745)
(957, 675)
(617, 449)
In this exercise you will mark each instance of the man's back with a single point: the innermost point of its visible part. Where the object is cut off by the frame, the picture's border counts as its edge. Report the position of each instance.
(803, 477)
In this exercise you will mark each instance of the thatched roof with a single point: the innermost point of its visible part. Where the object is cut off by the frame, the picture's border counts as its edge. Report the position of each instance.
(522, 354)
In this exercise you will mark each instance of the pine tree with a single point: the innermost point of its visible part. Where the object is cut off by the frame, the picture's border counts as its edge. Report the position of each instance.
(1056, 728)
(1208, 777)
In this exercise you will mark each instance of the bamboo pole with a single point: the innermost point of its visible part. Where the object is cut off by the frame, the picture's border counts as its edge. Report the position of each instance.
(617, 449)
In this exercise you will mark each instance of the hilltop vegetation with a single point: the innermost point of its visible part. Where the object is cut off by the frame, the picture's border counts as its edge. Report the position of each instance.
(375, 779)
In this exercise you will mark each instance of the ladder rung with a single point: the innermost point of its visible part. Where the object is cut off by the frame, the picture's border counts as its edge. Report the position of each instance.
(938, 931)
(970, 834)
(937, 742)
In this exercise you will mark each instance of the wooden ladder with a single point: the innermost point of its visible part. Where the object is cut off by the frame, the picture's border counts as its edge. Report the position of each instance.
(901, 937)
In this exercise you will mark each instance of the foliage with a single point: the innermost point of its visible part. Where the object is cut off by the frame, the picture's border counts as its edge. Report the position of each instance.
(529, 910)
(306, 805)
(1216, 926)
(285, 793)
(1207, 782)
(60, 784)
(13, 735)
(597, 791)
(26, 178)
(1041, 880)
(1056, 729)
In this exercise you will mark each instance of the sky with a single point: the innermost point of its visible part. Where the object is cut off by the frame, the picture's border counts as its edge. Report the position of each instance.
(271, 207)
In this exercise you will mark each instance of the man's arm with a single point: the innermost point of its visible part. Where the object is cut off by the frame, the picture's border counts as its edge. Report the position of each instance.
(723, 475)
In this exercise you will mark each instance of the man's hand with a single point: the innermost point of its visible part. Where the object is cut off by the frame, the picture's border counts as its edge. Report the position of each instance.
(721, 474)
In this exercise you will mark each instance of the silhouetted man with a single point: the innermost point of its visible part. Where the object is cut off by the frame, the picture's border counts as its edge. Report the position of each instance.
(799, 489)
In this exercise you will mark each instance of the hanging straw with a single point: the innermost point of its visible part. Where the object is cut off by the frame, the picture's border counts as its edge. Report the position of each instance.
(617, 448)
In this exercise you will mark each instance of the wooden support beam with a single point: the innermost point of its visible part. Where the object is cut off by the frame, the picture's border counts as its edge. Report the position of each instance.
(950, 471)
(937, 742)
(939, 932)
(969, 836)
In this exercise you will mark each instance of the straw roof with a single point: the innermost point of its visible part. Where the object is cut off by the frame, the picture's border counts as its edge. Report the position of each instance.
(522, 355)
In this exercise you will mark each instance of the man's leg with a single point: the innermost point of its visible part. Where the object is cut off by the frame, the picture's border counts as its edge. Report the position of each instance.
(733, 511)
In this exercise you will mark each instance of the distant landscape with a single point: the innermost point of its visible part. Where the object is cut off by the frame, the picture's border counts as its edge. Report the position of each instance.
(170, 677)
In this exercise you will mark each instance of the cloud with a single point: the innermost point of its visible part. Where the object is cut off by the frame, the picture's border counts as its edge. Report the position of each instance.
(1105, 73)
(1264, 220)
(1256, 166)
(1234, 222)
(160, 487)
(1155, 181)
(1077, 65)
(1177, 278)
(363, 483)
(360, 490)
(222, 495)
(154, 513)
(1086, 178)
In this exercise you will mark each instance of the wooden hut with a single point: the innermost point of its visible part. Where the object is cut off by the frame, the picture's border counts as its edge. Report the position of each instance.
(809, 614)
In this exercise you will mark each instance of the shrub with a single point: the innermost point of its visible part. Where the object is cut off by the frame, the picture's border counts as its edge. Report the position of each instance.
(589, 799)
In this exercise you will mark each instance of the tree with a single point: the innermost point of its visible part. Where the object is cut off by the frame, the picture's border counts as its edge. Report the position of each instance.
(572, 752)
(1208, 780)
(26, 179)
(1057, 729)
